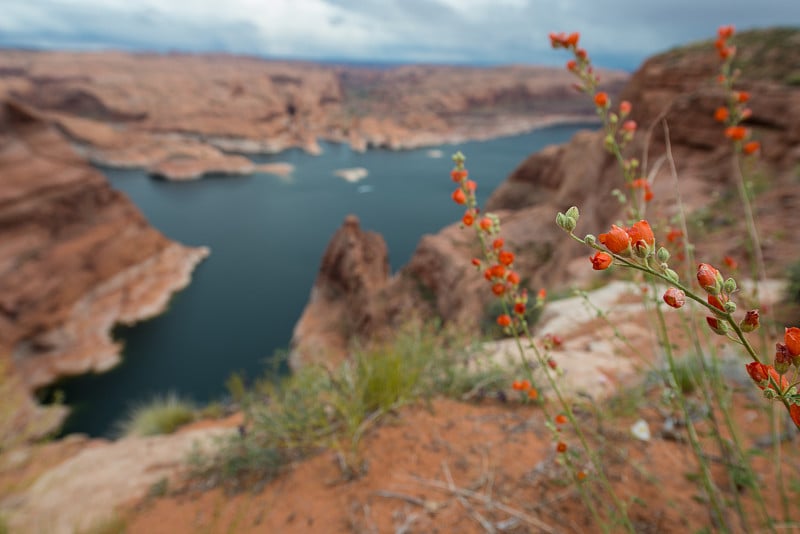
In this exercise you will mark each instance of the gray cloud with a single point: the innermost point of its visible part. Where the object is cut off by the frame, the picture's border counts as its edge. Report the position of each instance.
(617, 32)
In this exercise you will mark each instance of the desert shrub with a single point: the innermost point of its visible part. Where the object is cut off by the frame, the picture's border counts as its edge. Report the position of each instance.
(161, 415)
(314, 407)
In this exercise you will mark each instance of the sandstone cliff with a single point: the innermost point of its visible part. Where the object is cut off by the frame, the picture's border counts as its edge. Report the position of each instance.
(676, 89)
(179, 115)
(76, 257)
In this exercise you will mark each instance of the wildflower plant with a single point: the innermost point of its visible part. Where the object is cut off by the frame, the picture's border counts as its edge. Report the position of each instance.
(633, 246)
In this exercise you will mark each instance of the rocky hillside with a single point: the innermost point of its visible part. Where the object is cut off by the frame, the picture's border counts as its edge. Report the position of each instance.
(76, 257)
(675, 90)
(163, 111)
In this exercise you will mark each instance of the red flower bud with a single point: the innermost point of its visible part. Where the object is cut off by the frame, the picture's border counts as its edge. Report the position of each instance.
(750, 321)
(512, 278)
(742, 96)
(486, 224)
(561, 447)
(498, 289)
(675, 297)
(459, 197)
(709, 278)
(504, 320)
(601, 99)
(601, 261)
(519, 308)
(468, 219)
(721, 114)
(794, 413)
(498, 243)
(725, 32)
(624, 108)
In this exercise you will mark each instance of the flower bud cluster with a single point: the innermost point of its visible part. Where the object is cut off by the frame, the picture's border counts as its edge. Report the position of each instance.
(735, 111)
(497, 264)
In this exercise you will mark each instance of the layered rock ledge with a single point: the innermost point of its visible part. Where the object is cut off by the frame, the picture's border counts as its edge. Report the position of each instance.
(76, 258)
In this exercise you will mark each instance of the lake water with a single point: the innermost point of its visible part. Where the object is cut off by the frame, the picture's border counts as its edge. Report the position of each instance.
(267, 235)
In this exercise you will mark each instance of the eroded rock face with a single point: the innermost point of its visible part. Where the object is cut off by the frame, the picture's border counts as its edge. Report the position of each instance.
(677, 87)
(354, 268)
(76, 257)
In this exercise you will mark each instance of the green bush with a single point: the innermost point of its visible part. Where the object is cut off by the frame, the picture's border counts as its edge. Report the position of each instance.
(161, 415)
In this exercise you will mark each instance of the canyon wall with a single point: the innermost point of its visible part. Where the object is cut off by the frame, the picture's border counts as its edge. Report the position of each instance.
(76, 258)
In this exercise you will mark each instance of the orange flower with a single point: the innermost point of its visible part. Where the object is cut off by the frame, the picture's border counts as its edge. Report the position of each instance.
(498, 289)
(616, 240)
(751, 147)
(761, 373)
(521, 385)
(581, 476)
(503, 320)
(572, 64)
(458, 174)
(572, 39)
(459, 197)
(561, 447)
(730, 263)
(519, 308)
(624, 108)
(486, 224)
(792, 339)
(581, 53)
(721, 114)
(675, 297)
(600, 261)
(542, 294)
(468, 219)
(641, 231)
(742, 96)
(736, 133)
(725, 32)
(476, 262)
(629, 126)
(512, 278)
(561, 419)
(674, 234)
(601, 99)
(505, 257)
(533, 394)
(498, 243)
(471, 186)
(497, 271)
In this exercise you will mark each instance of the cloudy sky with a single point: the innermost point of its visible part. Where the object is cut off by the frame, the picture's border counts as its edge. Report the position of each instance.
(618, 33)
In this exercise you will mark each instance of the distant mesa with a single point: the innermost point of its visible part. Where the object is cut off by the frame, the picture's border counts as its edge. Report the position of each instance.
(353, 175)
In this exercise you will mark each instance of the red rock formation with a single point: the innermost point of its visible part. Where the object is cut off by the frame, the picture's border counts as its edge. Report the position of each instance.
(355, 267)
(76, 257)
(677, 86)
